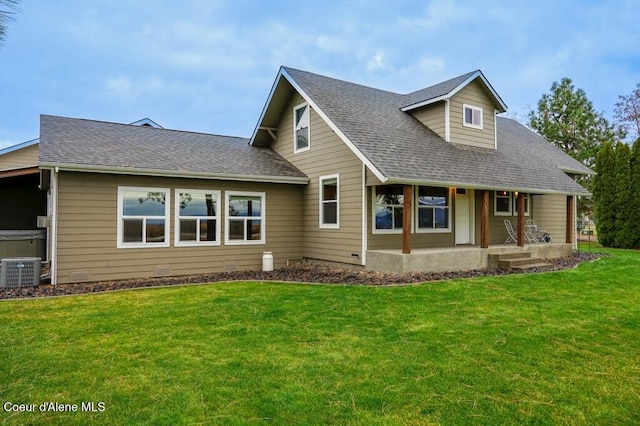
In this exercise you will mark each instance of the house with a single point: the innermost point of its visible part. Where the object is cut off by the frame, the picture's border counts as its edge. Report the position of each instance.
(334, 171)
(22, 234)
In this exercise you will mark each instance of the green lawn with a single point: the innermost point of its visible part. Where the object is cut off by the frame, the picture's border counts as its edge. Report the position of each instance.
(522, 349)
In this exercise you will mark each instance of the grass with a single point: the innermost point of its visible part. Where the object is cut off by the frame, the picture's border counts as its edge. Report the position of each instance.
(521, 349)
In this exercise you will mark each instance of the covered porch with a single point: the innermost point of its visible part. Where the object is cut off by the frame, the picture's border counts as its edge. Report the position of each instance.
(460, 258)
(465, 227)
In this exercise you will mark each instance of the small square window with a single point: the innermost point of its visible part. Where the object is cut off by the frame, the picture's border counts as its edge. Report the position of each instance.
(472, 116)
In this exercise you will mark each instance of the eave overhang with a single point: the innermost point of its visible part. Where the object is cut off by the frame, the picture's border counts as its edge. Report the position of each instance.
(172, 173)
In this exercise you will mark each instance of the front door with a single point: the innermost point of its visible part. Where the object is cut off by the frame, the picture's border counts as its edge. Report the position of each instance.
(463, 216)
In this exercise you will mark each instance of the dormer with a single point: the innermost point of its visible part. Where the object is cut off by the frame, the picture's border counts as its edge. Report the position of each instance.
(461, 110)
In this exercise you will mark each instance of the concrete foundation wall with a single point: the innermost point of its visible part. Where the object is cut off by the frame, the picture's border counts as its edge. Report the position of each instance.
(454, 259)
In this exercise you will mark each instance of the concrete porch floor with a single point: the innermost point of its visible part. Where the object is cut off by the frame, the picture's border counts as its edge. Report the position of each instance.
(460, 258)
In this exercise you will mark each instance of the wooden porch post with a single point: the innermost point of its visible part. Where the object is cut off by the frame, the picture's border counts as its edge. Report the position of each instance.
(484, 221)
(406, 220)
(570, 207)
(520, 230)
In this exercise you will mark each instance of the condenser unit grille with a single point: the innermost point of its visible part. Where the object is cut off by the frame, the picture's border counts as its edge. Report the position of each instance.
(20, 272)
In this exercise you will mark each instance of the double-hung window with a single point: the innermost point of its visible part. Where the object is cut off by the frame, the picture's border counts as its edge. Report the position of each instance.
(472, 116)
(197, 220)
(245, 217)
(433, 209)
(143, 217)
(301, 128)
(502, 205)
(329, 201)
(506, 203)
(515, 204)
(388, 208)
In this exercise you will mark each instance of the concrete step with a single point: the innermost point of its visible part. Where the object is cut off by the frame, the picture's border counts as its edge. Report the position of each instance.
(514, 255)
(519, 263)
(531, 266)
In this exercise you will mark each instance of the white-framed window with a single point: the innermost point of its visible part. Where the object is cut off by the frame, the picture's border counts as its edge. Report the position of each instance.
(143, 217)
(472, 116)
(245, 223)
(197, 217)
(301, 128)
(388, 204)
(506, 203)
(502, 203)
(515, 204)
(434, 212)
(330, 201)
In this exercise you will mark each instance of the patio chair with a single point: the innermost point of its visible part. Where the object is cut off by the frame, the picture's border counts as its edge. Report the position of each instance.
(513, 236)
(536, 235)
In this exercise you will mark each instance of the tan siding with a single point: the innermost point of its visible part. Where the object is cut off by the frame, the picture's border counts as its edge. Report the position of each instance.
(474, 95)
(418, 239)
(433, 116)
(549, 212)
(327, 155)
(87, 239)
(20, 159)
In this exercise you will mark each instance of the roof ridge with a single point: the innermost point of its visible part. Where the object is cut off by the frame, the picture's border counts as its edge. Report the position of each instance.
(341, 80)
(149, 128)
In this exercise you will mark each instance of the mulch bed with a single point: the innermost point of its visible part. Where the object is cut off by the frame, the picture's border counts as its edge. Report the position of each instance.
(306, 272)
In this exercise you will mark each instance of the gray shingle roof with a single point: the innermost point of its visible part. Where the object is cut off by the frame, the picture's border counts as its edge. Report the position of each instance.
(97, 145)
(403, 149)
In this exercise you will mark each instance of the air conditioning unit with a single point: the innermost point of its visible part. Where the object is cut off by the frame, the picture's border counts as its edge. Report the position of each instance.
(20, 272)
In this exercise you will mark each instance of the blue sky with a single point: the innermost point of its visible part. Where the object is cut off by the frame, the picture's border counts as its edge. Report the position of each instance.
(208, 66)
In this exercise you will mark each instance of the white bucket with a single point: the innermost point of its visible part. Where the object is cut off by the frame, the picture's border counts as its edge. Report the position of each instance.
(267, 261)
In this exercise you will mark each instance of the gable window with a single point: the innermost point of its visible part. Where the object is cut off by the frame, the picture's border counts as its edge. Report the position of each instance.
(433, 209)
(197, 220)
(143, 217)
(245, 217)
(329, 201)
(472, 116)
(388, 208)
(301, 128)
(506, 203)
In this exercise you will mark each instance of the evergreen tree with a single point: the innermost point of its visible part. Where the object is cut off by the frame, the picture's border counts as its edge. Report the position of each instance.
(634, 196)
(605, 195)
(624, 217)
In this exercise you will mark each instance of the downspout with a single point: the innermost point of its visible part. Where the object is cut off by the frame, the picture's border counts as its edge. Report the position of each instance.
(364, 216)
(54, 226)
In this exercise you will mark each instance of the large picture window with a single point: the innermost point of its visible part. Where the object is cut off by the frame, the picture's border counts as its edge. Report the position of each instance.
(197, 217)
(433, 209)
(301, 128)
(143, 217)
(245, 217)
(388, 208)
(329, 201)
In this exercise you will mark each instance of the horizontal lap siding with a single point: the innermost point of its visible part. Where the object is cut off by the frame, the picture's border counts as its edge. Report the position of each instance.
(433, 116)
(327, 155)
(87, 226)
(473, 95)
(418, 239)
(550, 214)
(20, 159)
